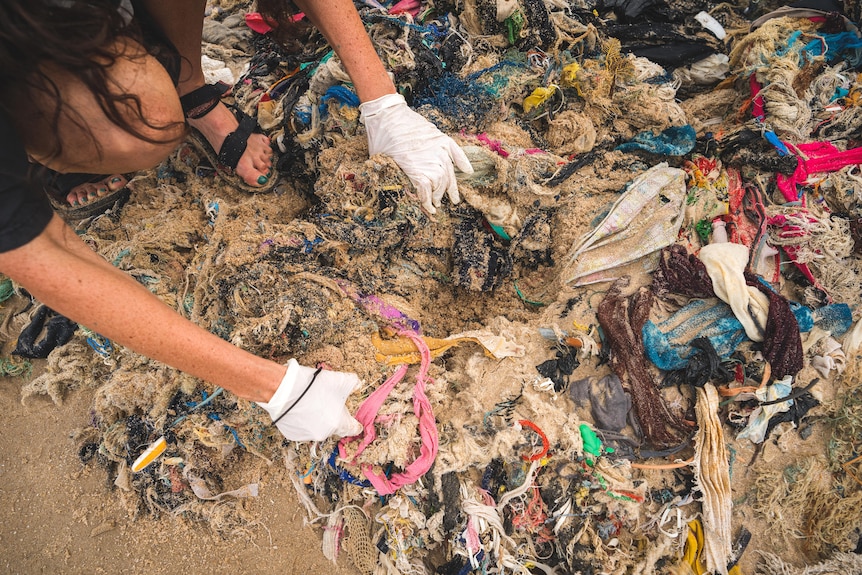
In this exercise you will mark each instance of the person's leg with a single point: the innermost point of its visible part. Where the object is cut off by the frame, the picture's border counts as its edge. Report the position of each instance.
(182, 24)
(90, 141)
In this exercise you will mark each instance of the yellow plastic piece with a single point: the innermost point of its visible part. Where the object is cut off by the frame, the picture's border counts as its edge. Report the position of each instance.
(402, 350)
(539, 96)
(569, 74)
(693, 548)
(152, 453)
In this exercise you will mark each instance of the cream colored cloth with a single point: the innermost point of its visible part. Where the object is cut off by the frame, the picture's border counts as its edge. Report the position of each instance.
(725, 263)
(645, 219)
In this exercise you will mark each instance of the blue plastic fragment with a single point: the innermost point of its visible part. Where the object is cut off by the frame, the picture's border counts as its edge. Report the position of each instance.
(773, 139)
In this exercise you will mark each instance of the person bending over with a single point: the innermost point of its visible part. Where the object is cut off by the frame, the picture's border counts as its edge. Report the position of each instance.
(83, 90)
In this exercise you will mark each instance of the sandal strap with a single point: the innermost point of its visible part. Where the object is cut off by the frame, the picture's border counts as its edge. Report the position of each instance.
(236, 142)
(200, 102)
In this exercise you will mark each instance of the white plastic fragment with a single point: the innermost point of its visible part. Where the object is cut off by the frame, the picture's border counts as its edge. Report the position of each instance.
(711, 24)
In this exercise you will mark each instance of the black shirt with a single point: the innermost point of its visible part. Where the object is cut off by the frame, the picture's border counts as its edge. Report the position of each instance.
(24, 208)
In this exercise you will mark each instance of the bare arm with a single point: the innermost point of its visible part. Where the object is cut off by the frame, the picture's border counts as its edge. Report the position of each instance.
(340, 24)
(62, 272)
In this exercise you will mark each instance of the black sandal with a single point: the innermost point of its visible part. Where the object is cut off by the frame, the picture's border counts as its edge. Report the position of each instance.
(57, 187)
(200, 102)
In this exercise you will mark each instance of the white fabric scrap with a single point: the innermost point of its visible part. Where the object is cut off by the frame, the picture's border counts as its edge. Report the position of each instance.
(706, 72)
(725, 264)
(853, 340)
(216, 71)
(496, 345)
(199, 487)
(759, 419)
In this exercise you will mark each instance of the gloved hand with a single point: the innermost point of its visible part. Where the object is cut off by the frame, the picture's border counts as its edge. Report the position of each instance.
(422, 151)
(306, 407)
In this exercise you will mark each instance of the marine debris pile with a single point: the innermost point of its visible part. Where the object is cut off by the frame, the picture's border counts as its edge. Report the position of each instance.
(631, 348)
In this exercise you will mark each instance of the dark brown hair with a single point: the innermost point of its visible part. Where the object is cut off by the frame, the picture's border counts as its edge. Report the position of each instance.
(74, 35)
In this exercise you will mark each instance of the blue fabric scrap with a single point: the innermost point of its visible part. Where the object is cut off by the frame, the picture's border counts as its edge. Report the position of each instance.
(674, 141)
(836, 318)
(667, 344)
(341, 94)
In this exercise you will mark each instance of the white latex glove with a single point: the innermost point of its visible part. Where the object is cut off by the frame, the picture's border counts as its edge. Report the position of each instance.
(316, 412)
(424, 153)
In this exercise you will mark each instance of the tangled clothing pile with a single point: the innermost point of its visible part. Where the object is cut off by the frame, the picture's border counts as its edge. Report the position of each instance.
(641, 298)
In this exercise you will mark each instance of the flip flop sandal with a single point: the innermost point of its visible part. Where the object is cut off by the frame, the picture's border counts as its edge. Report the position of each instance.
(57, 186)
(197, 104)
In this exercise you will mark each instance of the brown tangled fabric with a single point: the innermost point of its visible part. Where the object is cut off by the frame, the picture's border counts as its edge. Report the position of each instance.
(680, 272)
(622, 319)
(782, 344)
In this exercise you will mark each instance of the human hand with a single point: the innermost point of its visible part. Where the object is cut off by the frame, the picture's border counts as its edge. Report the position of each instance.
(309, 404)
(424, 153)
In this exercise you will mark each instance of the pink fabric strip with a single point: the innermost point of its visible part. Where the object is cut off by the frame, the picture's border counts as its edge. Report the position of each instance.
(421, 408)
(820, 157)
(367, 412)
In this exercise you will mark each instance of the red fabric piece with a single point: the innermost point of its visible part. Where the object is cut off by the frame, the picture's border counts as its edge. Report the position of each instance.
(494, 145)
(258, 23)
(792, 231)
(745, 211)
(263, 25)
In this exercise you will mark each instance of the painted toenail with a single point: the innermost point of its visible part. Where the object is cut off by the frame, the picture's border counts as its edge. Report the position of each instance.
(116, 179)
(262, 179)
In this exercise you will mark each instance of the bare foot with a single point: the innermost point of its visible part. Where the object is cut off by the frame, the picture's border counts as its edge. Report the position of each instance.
(256, 162)
(85, 193)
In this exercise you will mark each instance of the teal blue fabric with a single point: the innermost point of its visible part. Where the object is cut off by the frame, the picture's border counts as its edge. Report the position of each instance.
(667, 344)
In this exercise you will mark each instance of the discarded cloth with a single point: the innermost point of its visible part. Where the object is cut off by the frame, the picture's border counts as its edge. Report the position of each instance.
(782, 343)
(402, 349)
(726, 263)
(682, 273)
(836, 318)
(759, 418)
(622, 319)
(703, 365)
(674, 141)
(58, 331)
(645, 219)
(814, 158)
(367, 413)
(609, 403)
(668, 344)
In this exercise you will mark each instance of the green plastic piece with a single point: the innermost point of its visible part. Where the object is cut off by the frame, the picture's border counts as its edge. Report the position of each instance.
(592, 443)
(703, 229)
(500, 231)
(6, 289)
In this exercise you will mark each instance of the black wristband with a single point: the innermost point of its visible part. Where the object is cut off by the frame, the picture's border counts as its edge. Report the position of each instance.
(292, 405)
